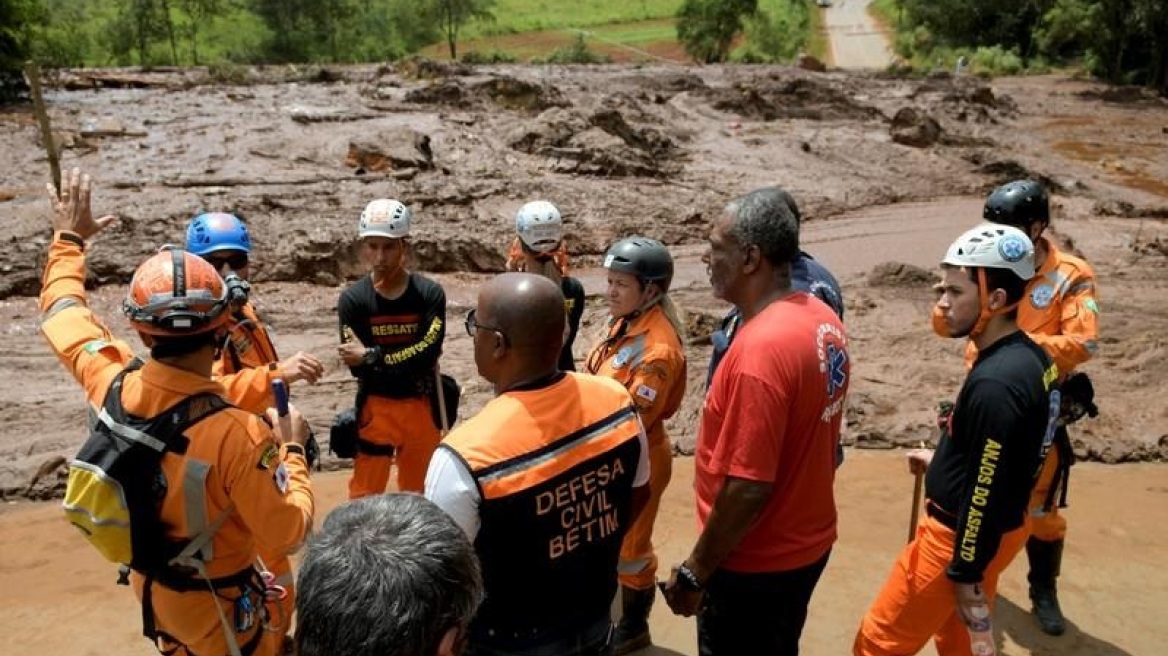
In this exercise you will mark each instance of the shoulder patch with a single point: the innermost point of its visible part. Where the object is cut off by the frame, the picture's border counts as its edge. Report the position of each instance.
(270, 454)
(1092, 305)
(281, 478)
(647, 393)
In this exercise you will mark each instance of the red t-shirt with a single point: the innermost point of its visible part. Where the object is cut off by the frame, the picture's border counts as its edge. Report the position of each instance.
(772, 414)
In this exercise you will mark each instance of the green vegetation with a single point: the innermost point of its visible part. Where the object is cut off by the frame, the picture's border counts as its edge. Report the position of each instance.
(1123, 41)
(779, 31)
(515, 16)
(576, 53)
(226, 34)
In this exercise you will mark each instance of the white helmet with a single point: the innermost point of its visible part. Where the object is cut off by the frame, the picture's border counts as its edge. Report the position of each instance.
(540, 226)
(994, 246)
(384, 217)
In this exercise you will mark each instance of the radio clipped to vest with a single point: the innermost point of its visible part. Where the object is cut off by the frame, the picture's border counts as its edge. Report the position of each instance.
(116, 485)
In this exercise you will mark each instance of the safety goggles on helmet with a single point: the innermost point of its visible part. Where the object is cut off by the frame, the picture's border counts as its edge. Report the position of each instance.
(236, 260)
(176, 293)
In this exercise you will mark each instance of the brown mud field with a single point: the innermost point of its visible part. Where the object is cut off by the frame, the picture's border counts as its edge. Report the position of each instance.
(886, 170)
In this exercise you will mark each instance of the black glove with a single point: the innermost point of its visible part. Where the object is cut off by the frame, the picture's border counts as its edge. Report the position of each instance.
(1078, 398)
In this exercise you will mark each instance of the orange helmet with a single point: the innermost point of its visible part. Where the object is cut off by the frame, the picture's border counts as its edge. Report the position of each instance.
(176, 293)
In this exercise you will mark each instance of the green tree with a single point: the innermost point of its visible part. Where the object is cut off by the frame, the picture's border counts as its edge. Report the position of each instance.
(707, 28)
(15, 16)
(198, 13)
(454, 14)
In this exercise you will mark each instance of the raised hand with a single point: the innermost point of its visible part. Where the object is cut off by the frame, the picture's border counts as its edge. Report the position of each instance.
(71, 211)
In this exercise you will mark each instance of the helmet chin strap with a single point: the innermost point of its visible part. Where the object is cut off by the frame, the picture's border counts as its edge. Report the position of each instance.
(983, 318)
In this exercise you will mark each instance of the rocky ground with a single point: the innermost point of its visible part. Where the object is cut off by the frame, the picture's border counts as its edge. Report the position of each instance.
(886, 169)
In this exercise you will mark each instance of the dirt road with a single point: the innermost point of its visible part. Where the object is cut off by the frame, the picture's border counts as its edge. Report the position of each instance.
(60, 598)
(857, 40)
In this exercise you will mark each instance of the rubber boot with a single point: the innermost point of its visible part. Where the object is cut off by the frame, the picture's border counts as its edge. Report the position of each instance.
(632, 632)
(1045, 562)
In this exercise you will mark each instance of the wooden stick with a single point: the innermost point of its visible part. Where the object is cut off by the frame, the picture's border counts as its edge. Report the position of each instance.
(441, 400)
(918, 486)
(32, 75)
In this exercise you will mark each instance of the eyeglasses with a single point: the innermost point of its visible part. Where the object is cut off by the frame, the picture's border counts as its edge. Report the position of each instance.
(236, 261)
(473, 326)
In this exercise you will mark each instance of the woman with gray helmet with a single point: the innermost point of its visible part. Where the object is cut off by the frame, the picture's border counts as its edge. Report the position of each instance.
(539, 248)
(643, 349)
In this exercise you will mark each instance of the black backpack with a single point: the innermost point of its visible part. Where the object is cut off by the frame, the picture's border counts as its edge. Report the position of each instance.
(116, 485)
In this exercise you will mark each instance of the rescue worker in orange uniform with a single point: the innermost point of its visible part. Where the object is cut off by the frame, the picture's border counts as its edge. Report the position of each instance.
(643, 351)
(223, 240)
(393, 322)
(539, 248)
(545, 480)
(978, 481)
(238, 481)
(248, 362)
(1061, 315)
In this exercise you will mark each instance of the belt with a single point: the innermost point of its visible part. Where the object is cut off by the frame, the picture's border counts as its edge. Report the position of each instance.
(947, 519)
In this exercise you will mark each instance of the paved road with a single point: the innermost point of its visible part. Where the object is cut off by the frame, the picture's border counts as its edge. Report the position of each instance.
(856, 39)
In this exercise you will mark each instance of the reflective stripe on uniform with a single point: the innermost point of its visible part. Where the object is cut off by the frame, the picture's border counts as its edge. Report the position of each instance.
(131, 434)
(600, 428)
(194, 500)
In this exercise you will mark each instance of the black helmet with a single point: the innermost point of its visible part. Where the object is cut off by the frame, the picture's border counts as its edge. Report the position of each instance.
(1020, 203)
(645, 258)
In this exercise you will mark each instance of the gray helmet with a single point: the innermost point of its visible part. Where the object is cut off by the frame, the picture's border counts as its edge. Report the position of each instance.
(645, 258)
(1020, 203)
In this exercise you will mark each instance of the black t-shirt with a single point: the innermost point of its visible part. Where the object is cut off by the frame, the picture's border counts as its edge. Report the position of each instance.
(406, 333)
(987, 462)
(574, 305)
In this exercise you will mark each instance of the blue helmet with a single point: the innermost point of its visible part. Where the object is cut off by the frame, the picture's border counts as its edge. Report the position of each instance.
(217, 231)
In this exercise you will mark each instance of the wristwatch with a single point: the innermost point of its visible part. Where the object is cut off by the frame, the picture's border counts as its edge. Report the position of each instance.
(687, 578)
(370, 356)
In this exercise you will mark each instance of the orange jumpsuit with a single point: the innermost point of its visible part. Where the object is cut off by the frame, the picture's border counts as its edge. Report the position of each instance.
(246, 368)
(230, 470)
(395, 415)
(1061, 315)
(646, 356)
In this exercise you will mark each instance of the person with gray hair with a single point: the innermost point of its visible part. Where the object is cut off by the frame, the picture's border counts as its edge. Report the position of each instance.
(765, 459)
(388, 575)
(807, 275)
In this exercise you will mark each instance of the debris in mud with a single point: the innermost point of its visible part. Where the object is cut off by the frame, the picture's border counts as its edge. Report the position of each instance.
(699, 325)
(1123, 95)
(1157, 246)
(502, 90)
(395, 148)
(48, 482)
(899, 274)
(603, 143)
(1008, 170)
(913, 127)
(303, 114)
(810, 63)
(446, 255)
(421, 68)
(805, 98)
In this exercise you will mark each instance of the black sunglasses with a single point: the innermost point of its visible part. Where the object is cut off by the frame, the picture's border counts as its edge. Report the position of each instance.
(473, 326)
(236, 261)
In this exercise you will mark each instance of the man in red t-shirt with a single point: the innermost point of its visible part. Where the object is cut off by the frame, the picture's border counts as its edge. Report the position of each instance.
(765, 460)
